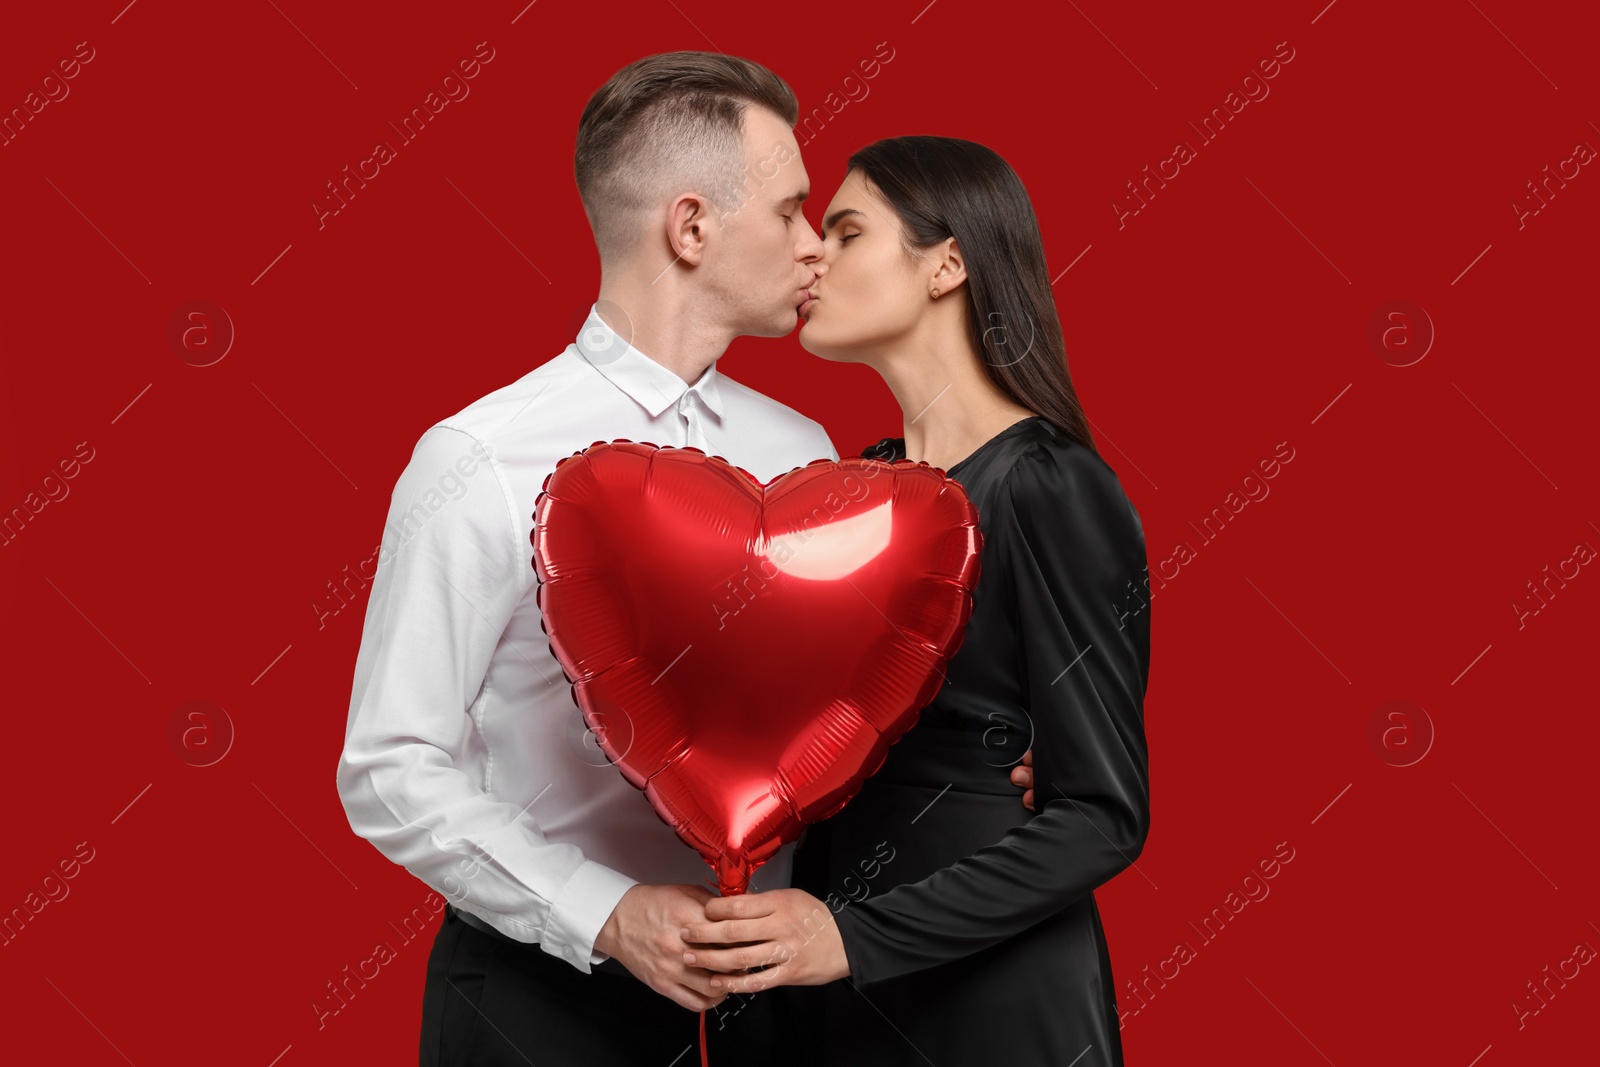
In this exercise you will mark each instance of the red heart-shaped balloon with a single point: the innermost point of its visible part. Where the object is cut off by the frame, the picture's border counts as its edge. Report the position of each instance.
(746, 654)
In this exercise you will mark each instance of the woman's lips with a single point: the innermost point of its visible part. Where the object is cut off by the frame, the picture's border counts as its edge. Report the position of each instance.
(807, 304)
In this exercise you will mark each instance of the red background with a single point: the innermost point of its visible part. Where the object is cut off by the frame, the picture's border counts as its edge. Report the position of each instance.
(1227, 316)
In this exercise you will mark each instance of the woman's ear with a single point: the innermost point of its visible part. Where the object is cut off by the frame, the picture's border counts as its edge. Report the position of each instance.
(949, 268)
(688, 222)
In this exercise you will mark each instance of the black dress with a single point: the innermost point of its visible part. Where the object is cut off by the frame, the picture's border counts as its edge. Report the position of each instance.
(968, 921)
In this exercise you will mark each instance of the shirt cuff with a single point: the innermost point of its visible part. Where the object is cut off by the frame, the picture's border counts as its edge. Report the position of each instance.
(576, 916)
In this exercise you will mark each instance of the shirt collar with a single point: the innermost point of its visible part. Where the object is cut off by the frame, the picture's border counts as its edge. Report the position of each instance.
(652, 385)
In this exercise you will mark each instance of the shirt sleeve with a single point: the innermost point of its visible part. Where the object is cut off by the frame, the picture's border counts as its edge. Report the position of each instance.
(453, 564)
(826, 442)
(1066, 543)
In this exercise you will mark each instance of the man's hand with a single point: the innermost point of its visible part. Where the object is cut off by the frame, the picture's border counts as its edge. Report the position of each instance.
(643, 934)
(1022, 774)
(787, 932)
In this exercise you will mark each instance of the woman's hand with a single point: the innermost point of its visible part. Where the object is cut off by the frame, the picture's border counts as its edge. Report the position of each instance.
(788, 932)
(1022, 775)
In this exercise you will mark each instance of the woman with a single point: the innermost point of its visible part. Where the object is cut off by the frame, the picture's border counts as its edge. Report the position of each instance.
(967, 926)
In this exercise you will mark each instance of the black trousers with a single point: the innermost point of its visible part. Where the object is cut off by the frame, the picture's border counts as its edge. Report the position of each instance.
(489, 1002)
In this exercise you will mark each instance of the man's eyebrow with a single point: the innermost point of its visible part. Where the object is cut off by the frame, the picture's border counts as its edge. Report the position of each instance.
(828, 222)
(796, 198)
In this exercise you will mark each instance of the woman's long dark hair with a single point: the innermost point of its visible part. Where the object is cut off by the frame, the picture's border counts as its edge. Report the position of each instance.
(943, 187)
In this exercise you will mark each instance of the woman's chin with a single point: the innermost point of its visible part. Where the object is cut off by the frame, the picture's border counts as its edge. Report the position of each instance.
(831, 356)
(811, 342)
(805, 341)
(816, 339)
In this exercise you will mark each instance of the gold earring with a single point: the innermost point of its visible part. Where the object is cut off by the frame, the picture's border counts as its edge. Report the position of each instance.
(935, 293)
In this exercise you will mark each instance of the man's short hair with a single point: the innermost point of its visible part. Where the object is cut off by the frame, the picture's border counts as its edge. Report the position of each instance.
(666, 124)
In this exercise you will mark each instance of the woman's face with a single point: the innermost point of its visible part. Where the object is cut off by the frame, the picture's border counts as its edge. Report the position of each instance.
(871, 291)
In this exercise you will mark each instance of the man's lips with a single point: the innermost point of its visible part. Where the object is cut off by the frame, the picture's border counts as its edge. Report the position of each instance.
(807, 303)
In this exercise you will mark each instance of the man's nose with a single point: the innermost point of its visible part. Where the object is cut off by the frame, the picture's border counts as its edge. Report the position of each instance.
(810, 247)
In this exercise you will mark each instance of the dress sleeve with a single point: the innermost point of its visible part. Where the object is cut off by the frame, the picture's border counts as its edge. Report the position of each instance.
(1066, 543)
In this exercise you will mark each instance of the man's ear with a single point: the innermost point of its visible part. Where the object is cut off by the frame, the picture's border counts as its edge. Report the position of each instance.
(950, 267)
(688, 227)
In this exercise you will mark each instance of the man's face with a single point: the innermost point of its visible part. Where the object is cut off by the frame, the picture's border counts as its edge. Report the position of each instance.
(765, 247)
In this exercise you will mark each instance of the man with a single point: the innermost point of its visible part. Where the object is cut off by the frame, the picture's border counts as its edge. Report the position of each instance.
(465, 758)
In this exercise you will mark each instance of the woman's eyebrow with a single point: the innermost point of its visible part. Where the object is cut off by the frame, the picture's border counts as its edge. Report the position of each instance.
(837, 215)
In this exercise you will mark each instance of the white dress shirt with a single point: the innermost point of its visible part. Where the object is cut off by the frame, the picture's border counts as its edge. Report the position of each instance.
(466, 759)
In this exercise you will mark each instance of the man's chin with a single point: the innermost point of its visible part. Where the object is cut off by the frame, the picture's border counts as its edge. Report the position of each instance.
(778, 324)
(781, 325)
